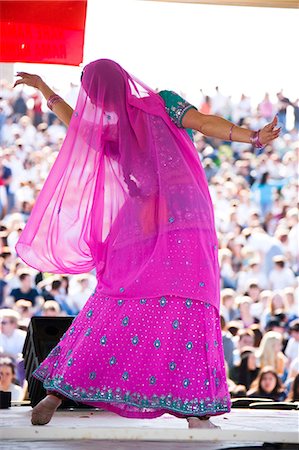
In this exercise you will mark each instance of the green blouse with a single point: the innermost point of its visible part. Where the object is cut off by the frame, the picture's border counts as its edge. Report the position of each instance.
(176, 107)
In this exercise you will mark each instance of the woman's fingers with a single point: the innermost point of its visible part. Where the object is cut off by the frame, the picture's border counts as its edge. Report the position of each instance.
(23, 74)
(272, 124)
(270, 134)
(28, 79)
(18, 82)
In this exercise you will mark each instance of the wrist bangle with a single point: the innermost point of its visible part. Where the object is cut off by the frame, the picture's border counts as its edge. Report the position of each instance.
(255, 139)
(52, 100)
(230, 132)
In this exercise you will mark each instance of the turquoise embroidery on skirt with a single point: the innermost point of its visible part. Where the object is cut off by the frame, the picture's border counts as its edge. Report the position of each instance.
(195, 406)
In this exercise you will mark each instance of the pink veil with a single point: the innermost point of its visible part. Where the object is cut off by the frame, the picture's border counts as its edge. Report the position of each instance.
(127, 196)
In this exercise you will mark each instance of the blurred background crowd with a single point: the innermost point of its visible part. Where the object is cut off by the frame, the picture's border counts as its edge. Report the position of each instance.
(254, 192)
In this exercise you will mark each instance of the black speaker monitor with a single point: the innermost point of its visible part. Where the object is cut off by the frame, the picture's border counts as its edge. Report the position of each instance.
(43, 335)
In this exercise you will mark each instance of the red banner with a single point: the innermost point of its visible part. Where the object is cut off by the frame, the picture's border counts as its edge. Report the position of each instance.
(42, 31)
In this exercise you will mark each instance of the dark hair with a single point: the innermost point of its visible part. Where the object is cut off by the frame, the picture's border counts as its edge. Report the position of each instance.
(23, 276)
(246, 376)
(257, 383)
(5, 361)
(56, 284)
(294, 325)
(222, 322)
(66, 278)
(294, 391)
(264, 178)
(258, 334)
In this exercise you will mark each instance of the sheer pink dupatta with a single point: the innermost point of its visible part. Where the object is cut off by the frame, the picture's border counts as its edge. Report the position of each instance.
(126, 195)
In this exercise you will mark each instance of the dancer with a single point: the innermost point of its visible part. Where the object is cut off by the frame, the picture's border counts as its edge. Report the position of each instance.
(127, 195)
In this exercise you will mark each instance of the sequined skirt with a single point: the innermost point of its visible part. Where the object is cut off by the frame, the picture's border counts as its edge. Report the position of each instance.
(141, 358)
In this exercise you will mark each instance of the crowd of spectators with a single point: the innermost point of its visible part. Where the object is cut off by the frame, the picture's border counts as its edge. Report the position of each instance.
(254, 192)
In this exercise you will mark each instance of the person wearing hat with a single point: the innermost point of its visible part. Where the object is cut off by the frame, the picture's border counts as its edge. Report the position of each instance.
(280, 276)
(81, 293)
(252, 272)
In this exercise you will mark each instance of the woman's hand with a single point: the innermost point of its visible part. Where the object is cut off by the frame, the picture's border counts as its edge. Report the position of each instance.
(269, 132)
(29, 79)
(62, 110)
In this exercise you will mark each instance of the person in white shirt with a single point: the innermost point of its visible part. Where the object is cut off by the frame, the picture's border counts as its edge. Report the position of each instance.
(56, 131)
(27, 131)
(291, 297)
(242, 109)
(292, 348)
(281, 277)
(252, 272)
(72, 94)
(83, 291)
(11, 338)
(7, 375)
(219, 101)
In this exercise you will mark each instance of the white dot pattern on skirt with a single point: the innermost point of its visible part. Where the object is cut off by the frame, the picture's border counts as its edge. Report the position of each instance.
(142, 357)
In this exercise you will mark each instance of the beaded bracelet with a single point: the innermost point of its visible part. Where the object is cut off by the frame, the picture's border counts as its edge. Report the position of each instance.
(255, 139)
(52, 100)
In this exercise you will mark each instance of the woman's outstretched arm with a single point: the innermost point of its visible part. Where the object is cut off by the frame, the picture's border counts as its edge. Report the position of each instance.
(62, 109)
(218, 127)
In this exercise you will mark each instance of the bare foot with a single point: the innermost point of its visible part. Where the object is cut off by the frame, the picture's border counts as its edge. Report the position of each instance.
(195, 422)
(42, 413)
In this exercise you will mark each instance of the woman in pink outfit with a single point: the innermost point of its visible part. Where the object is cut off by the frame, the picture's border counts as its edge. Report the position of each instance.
(127, 195)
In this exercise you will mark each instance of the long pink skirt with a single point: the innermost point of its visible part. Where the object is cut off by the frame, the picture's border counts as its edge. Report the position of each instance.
(142, 358)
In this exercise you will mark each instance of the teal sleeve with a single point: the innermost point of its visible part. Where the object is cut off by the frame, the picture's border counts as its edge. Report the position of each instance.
(176, 107)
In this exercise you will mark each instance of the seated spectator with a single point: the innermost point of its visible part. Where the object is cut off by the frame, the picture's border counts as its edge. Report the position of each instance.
(270, 353)
(244, 306)
(243, 338)
(51, 309)
(294, 391)
(228, 345)
(7, 380)
(55, 294)
(276, 302)
(276, 325)
(280, 276)
(247, 371)
(234, 389)
(16, 267)
(24, 308)
(81, 292)
(268, 385)
(228, 276)
(258, 334)
(233, 327)
(292, 302)
(253, 272)
(56, 131)
(11, 338)
(228, 307)
(292, 348)
(28, 131)
(25, 291)
(6, 258)
(294, 368)
(253, 291)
